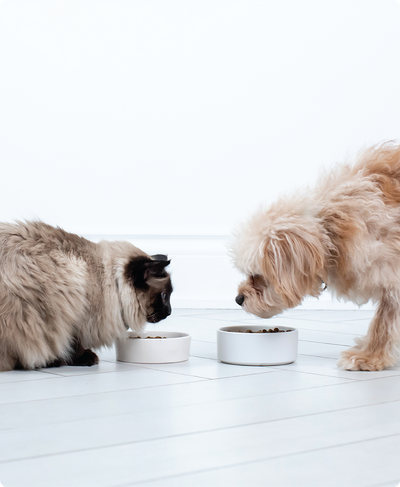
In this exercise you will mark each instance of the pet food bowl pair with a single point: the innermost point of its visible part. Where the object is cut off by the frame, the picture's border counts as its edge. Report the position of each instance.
(153, 347)
(254, 345)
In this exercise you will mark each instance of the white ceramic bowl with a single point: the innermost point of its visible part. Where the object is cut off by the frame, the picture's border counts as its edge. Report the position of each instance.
(257, 348)
(174, 348)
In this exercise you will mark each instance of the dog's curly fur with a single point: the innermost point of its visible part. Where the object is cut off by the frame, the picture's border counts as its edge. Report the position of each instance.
(345, 233)
(61, 295)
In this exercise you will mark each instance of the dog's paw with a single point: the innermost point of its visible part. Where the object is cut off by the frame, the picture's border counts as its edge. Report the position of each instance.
(355, 359)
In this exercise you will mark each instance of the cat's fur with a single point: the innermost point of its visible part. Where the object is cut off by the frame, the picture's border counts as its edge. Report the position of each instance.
(62, 295)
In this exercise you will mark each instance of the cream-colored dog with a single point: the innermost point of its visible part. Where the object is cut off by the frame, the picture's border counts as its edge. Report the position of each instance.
(345, 234)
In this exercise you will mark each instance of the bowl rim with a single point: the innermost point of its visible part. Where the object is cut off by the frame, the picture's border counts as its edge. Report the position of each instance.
(131, 333)
(225, 330)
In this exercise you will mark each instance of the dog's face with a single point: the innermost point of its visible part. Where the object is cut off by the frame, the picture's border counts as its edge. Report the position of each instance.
(151, 284)
(259, 297)
(287, 266)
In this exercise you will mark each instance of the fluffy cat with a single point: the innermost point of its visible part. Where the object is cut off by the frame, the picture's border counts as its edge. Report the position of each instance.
(62, 295)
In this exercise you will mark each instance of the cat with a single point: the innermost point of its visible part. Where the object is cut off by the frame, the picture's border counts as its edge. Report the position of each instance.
(62, 295)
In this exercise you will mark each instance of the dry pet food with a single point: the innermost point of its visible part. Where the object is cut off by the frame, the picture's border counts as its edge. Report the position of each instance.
(149, 337)
(275, 330)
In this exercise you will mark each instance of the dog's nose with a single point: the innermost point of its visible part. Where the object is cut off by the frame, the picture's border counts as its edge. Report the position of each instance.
(239, 299)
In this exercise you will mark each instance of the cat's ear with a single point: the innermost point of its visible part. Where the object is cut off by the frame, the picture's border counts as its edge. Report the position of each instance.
(156, 268)
(139, 271)
(160, 257)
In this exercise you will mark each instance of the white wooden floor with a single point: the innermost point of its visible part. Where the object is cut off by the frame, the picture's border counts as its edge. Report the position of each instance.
(204, 423)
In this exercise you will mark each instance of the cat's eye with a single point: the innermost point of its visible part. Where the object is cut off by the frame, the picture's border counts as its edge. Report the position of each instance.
(163, 296)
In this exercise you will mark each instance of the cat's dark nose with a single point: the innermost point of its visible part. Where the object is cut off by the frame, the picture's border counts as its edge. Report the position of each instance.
(239, 299)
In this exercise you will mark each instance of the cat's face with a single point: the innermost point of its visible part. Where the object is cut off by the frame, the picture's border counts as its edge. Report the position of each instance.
(151, 284)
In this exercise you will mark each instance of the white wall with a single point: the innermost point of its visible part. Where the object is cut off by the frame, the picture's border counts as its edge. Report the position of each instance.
(202, 274)
(174, 119)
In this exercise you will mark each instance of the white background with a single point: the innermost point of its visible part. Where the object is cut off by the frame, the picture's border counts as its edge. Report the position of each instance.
(166, 122)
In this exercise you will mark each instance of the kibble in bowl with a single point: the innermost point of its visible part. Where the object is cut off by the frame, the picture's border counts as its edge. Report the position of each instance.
(264, 330)
(256, 345)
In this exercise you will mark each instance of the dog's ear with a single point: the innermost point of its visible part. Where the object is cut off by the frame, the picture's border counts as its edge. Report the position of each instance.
(142, 271)
(294, 263)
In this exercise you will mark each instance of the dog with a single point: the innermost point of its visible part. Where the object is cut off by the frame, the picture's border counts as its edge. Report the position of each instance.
(344, 234)
(62, 295)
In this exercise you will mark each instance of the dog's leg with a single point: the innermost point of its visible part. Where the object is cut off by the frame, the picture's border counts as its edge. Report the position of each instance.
(378, 349)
